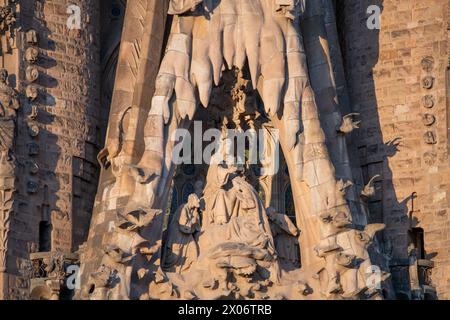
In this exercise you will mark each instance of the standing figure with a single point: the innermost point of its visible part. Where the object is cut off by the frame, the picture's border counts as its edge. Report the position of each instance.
(181, 247)
(205, 39)
(9, 103)
(285, 235)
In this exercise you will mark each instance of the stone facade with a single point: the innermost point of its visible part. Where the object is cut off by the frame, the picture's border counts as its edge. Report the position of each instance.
(403, 137)
(59, 132)
(70, 82)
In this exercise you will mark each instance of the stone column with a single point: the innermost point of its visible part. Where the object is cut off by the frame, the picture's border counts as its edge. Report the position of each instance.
(7, 189)
(138, 63)
(328, 81)
(56, 73)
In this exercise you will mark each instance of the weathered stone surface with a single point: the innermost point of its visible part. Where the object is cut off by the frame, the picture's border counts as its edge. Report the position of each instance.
(194, 62)
(361, 115)
(404, 63)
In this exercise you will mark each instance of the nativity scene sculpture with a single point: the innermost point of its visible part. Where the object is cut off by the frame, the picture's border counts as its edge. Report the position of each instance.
(224, 243)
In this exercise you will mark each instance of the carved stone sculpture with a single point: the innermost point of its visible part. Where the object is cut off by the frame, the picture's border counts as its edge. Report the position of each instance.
(234, 256)
(31, 37)
(50, 274)
(31, 73)
(427, 63)
(348, 124)
(285, 235)
(32, 92)
(31, 55)
(428, 119)
(9, 104)
(126, 251)
(181, 246)
(369, 189)
(427, 82)
(228, 249)
(430, 137)
(7, 23)
(428, 101)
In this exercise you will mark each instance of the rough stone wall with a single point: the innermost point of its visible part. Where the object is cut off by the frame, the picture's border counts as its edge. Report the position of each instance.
(54, 202)
(402, 138)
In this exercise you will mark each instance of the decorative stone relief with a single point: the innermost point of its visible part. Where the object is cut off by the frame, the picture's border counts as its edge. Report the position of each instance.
(31, 55)
(34, 113)
(348, 123)
(32, 92)
(430, 137)
(369, 189)
(119, 257)
(428, 119)
(428, 101)
(7, 18)
(427, 64)
(245, 264)
(428, 82)
(31, 37)
(49, 273)
(9, 104)
(223, 243)
(31, 74)
(7, 25)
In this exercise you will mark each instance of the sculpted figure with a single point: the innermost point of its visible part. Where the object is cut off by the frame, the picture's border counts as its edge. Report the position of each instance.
(247, 229)
(206, 38)
(246, 202)
(249, 224)
(218, 201)
(285, 235)
(264, 37)
(9, 104)
(237, 259)
(181, 246)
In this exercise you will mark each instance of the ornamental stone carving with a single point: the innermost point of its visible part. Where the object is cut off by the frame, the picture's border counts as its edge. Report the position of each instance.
(428, 82)
(9, 104)
(428, 101)
(223, 242)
